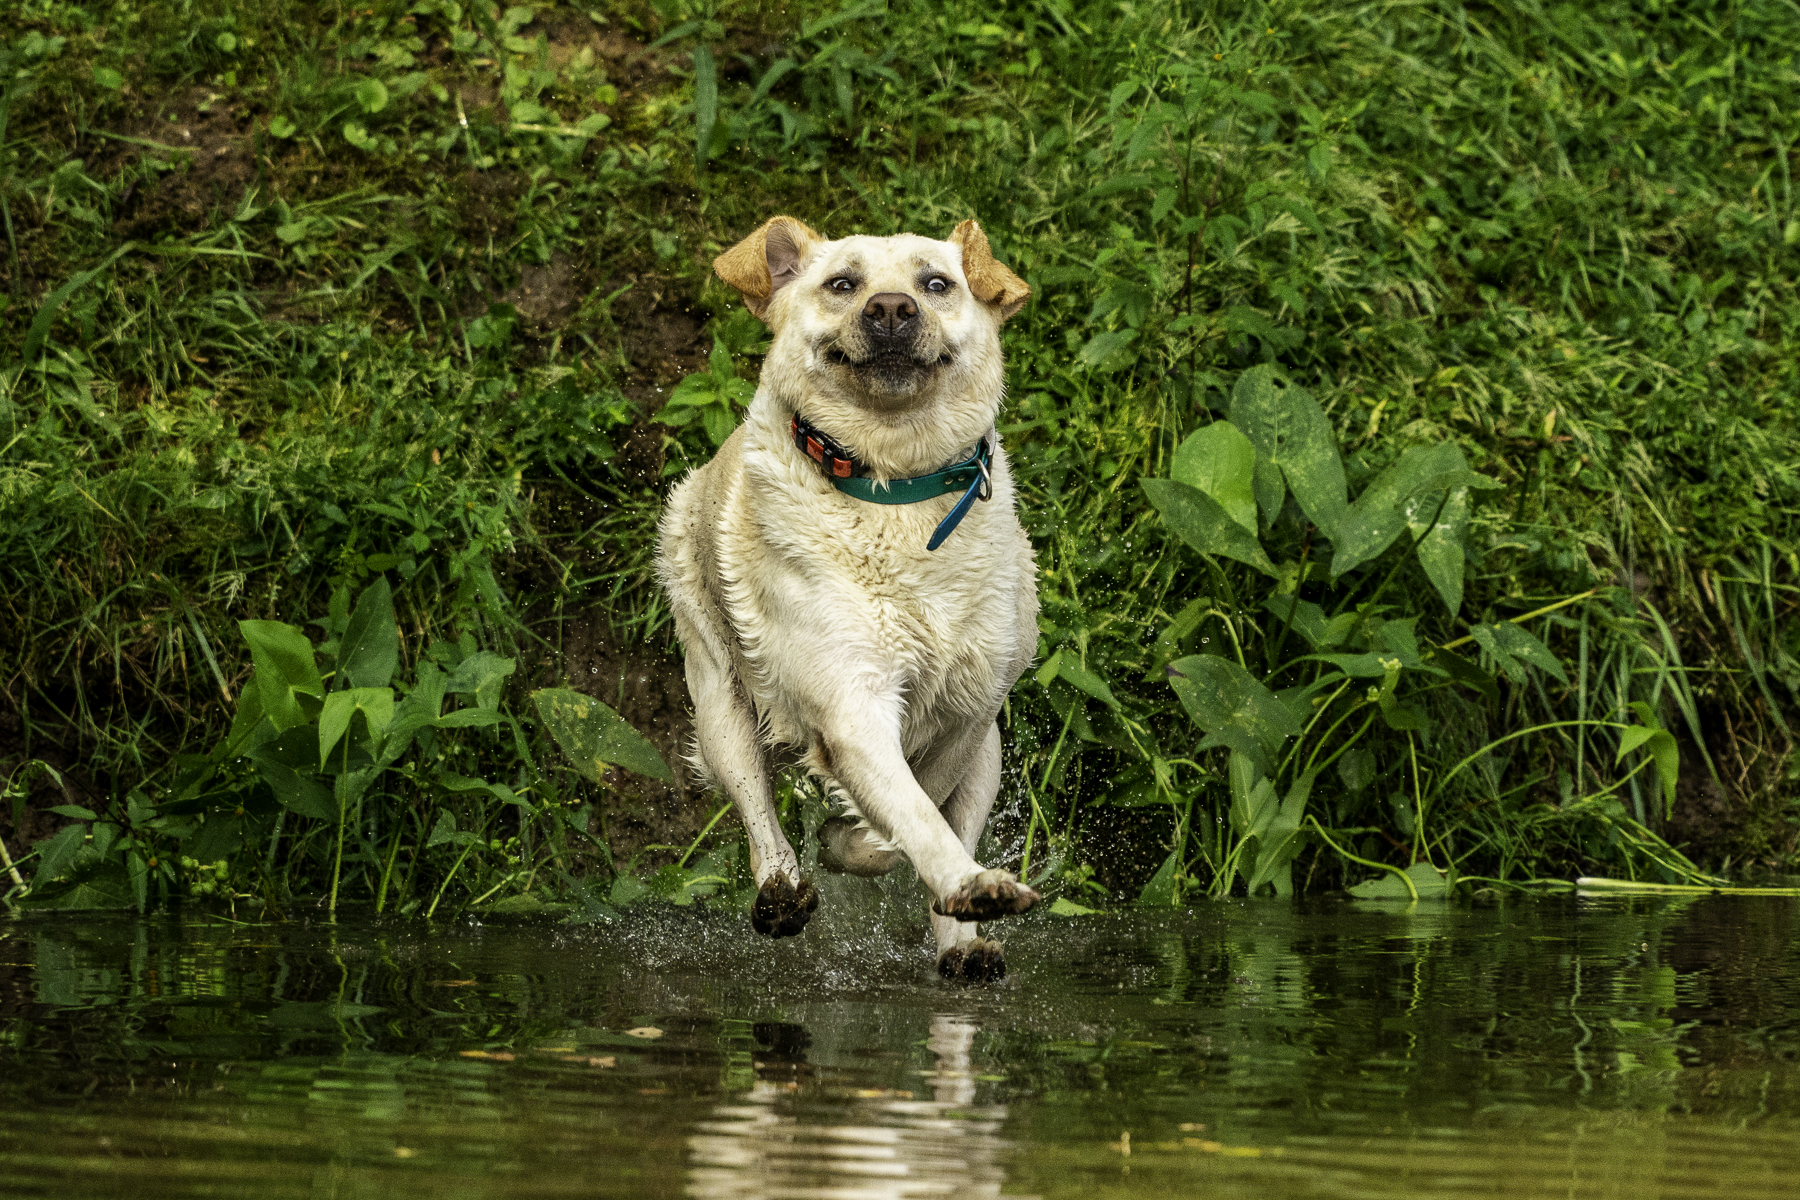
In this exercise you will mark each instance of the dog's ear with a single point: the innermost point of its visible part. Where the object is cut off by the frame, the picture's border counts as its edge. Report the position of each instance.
(989, 278)
(766, 261)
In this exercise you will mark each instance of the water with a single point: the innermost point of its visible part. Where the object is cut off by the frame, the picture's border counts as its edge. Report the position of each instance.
(1565, 1047)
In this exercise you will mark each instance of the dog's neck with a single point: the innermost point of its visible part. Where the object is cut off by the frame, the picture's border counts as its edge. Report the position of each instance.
(887, 445)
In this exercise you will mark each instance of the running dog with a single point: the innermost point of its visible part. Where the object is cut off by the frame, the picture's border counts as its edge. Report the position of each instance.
(849, 581)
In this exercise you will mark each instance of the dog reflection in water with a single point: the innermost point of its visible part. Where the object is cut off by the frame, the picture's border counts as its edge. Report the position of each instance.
(788, 1139)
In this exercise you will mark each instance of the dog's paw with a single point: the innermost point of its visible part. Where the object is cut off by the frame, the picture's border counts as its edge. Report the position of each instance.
(980, 961)
(781, 909)
(986, 896)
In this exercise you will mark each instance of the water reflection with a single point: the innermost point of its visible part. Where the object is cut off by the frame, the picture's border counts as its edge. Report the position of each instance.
(1321, 1049)
(873, 1144)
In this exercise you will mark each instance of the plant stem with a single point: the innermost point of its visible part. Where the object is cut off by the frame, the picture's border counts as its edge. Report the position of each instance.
(1411, 888)
(695, 845)
(1538, 612)
(387, 872)
(457, 866)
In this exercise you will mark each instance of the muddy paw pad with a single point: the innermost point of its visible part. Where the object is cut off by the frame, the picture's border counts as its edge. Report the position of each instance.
(781, 909)
(987, 896)
(978, 962)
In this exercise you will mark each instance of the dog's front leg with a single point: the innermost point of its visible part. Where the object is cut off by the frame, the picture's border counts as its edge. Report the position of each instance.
(861, 751)
(962, 952)
(725, 729)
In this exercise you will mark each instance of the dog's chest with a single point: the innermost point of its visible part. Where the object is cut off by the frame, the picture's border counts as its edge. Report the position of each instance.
(861, 607)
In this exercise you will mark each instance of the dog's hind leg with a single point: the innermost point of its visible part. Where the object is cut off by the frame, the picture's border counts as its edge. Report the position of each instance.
(725, 730)
(962, 953)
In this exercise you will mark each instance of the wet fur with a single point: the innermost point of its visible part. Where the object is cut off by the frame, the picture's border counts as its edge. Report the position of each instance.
(818, 624)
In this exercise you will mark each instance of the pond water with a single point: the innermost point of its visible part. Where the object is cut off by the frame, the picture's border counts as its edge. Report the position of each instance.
(1565, 1047)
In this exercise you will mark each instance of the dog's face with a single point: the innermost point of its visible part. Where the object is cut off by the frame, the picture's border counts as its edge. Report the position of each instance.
(882, 322)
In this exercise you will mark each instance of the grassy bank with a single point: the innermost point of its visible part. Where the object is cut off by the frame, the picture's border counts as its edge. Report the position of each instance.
(299, 297)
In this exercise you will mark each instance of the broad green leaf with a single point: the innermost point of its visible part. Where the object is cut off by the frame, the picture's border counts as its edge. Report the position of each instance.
(718, 423)
(1396, 639)
(1253, 808)
(219, 838)
(1103, 346)
(1220, 461)
(1440, 547)
(284, 670)
(1052, 667)
(444, 832)
(1198, 520)
(56, 853)
(1086, 681)
(1381, 512)
(1232, 708)
(462, 783)
(1290, 431)
(1357, 769)
(595, 737)
(76, 811)
(369, 650)
(1465, 672)
(1278, 841)
(1510, 645)
(1243, 776)
(108, 78)
(375, 703)
(1309, 620)
(1377, 517)
(1427, 880)
(138, 872)
(1368, 665)
(298, 793)
(1065, 907)
(419, 709)
(97, 885)
(483, 673)
(1160, 891)
(348, 788)
(1663, 751)
(468, 718)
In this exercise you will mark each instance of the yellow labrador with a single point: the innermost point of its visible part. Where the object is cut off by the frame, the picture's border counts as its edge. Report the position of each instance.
(847, 575)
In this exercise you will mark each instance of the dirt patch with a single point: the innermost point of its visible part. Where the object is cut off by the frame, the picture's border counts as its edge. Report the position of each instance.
(206, 146)
(546, 296)
(664, 342)
(646, 686)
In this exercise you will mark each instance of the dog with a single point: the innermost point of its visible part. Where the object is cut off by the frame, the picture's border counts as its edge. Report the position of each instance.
(849, 581)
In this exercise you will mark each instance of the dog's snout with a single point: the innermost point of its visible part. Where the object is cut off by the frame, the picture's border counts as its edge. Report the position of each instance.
(888, 314)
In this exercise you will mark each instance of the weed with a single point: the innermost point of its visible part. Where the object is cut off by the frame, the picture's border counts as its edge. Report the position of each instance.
(298, 297)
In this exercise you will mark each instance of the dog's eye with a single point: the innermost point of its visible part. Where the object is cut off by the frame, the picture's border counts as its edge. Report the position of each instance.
(842, 284)
(937, 284)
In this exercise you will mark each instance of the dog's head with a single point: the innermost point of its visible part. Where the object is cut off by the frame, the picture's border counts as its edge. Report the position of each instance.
(884, 322)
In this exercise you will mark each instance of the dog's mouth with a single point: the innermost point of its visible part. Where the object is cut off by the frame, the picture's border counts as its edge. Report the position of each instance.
(887, 362)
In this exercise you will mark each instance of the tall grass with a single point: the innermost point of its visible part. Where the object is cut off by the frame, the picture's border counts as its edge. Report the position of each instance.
(297, 295)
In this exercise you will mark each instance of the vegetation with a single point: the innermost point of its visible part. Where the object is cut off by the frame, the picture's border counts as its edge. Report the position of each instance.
(307, 303)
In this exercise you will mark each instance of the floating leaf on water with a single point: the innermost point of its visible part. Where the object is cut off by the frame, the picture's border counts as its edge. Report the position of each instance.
(1429, 881)
(1065, 907)
(650, 1032)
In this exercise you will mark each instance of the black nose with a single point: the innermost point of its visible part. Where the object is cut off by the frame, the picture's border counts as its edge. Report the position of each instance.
(888, 314)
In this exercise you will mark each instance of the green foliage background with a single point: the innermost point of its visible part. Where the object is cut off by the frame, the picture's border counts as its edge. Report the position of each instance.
(299, 295)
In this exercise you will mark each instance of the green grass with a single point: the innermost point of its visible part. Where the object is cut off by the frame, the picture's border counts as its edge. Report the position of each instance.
(296, 295)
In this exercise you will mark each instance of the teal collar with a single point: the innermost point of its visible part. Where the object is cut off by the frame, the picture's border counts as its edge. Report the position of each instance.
(972, 477)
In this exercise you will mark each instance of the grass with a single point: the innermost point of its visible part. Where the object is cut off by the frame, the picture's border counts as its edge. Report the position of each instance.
(299, 295)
